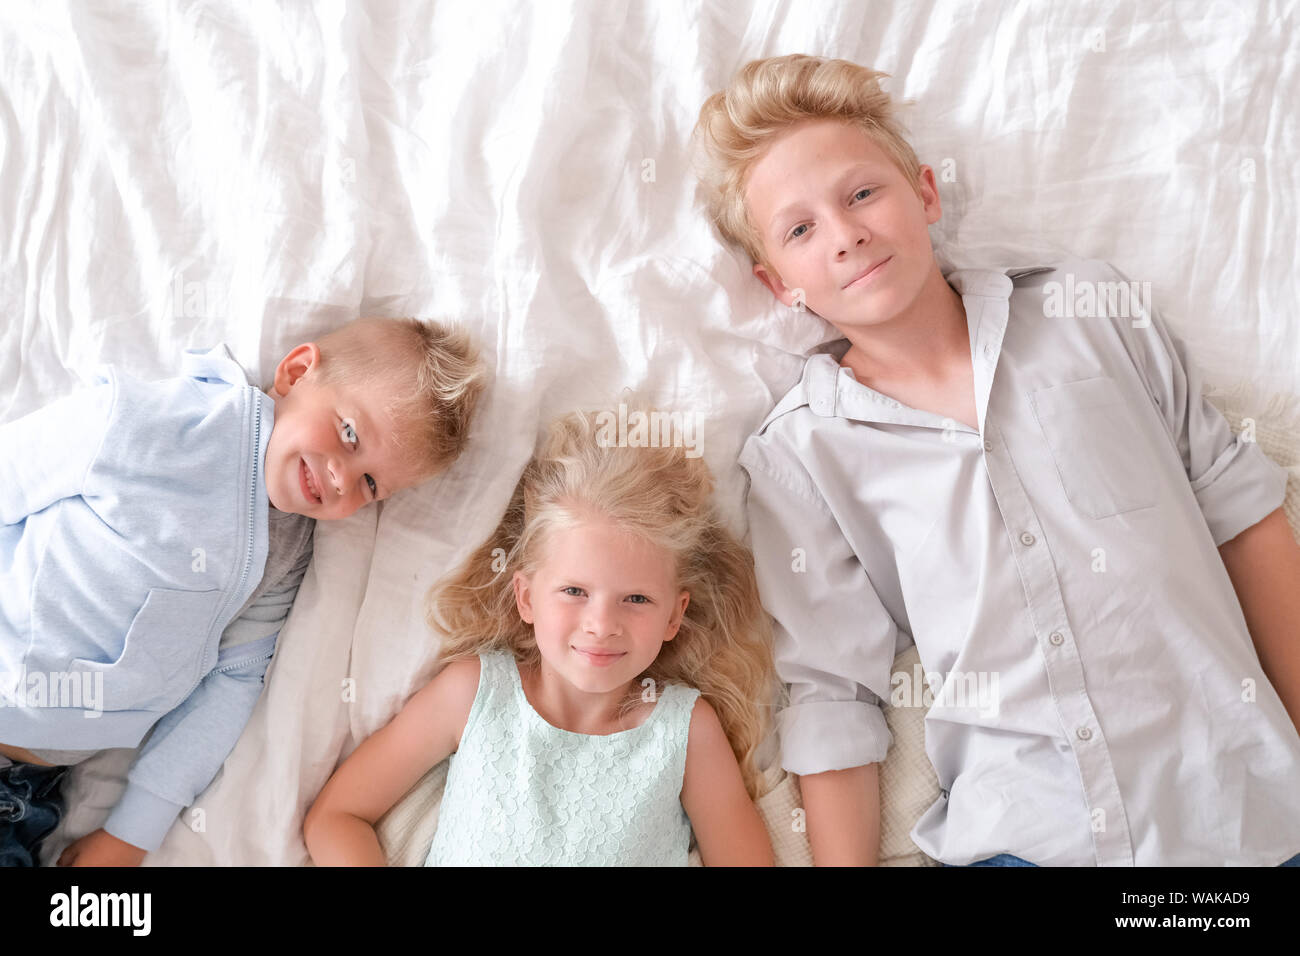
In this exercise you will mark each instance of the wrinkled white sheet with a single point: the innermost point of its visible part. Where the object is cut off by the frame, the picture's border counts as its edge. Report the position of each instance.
(173, 175)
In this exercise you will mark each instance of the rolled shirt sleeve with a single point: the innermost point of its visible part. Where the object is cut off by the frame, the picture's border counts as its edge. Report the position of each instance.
(1235, 483)
(833, 639)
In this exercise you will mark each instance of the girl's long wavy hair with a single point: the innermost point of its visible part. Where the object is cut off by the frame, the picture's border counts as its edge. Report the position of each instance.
(723, 647)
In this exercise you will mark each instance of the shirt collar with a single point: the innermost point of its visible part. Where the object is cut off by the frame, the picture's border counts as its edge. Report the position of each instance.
(831, 390)
(213, 365)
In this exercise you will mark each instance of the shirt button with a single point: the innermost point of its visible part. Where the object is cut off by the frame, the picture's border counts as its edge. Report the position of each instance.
(1026, 538)
(988, 446)
(989, 351)
(1084, 733)
(1057, 638)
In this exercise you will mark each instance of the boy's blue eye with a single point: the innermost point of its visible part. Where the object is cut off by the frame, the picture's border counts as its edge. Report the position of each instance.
(644, 599)
(349, 433)
(795, 233)
(374, 488)
(571, 588)
(864, 189)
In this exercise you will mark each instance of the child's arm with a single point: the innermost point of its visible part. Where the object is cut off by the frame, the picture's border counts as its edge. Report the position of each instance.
(834, 642)
(188, 746)
(1264, 565)
(843, 813)
(47, 453)
(726, 823)
(179, 758)
(1235, 484)
(340, 826)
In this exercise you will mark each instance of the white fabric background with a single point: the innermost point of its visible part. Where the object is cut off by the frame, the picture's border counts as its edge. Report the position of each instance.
(173, 175)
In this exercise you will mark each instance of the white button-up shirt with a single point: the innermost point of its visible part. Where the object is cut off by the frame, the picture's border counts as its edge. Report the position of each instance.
(1096, 697)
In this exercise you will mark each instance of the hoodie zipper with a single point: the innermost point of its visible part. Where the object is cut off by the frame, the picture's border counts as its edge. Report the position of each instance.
(234, 665)
(248, 547)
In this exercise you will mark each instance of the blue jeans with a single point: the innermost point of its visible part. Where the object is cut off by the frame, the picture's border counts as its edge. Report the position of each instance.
(30, 807)
(1006, 859)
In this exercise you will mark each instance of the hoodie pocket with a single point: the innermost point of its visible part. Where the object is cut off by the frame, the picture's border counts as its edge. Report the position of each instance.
(161, 657)
(1099, 452)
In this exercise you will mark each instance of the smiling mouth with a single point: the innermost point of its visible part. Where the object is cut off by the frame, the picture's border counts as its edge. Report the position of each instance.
(867, 276)
(600, 659)
(305, 480)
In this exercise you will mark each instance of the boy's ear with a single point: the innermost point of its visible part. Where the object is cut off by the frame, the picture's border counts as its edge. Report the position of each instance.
(773, 281)
(294, 366)
(929, 191)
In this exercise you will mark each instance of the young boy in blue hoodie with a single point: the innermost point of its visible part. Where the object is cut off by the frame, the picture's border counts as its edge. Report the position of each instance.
(1015, 470)
(152, 539)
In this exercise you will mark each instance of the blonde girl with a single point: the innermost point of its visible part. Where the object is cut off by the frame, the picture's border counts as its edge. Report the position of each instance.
(607, 684)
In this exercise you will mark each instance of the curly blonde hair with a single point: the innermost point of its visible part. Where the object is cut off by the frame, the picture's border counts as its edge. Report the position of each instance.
(723, 647)
(446, 380)
(766, 97)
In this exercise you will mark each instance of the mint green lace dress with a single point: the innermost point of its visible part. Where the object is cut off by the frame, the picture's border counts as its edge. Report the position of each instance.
(521, 792)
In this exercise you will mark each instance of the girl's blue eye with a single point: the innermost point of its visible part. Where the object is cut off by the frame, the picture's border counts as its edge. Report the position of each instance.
(374, 488)
(644, 599)
(864, 189)
(795, 233)
(572, 588)
(349, 433)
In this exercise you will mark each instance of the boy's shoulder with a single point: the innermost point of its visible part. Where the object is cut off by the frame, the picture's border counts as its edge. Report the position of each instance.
(810, 403)
(195, 441)
(205, 378)
(204, 367)
(815, 389)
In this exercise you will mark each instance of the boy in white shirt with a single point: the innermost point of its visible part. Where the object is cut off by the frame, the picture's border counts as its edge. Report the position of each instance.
(1039, 498)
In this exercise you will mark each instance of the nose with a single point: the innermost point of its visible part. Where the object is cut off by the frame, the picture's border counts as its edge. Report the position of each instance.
(600, 620)
(849, 233)
(340, 475)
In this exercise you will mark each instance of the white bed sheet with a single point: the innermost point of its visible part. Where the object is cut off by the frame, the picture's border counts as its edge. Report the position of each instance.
(173, 175)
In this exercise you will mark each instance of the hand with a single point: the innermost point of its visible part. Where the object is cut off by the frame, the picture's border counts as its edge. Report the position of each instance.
(101, 848)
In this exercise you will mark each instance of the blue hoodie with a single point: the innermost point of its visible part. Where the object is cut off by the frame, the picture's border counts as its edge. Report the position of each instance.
(133, 528)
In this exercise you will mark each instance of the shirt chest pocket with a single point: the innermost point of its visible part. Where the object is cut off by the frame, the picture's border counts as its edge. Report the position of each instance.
(161, 656)
(1095, 442)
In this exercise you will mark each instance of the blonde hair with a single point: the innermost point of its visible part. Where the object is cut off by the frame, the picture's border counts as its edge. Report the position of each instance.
(434, 411)
(766, 97)
(723, 644)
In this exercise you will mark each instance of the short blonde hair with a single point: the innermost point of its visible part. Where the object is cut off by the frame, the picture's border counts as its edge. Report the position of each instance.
(445, 373)
(765, 98)
(660, 494)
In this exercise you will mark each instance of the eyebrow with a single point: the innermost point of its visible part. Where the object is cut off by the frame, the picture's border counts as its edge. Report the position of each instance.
(852, 171)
